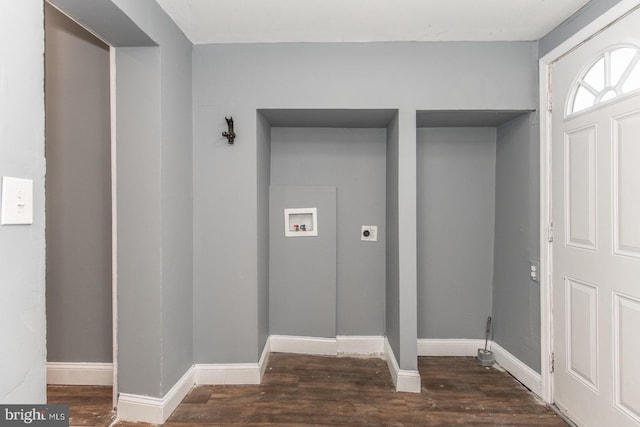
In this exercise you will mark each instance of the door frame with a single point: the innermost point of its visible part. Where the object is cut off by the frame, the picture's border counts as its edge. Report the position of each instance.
(546, 102)
(114, 227)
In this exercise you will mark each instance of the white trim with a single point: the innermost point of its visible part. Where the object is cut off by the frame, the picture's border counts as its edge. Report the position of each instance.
(227, 373)
(303, 345)
(233, 373)
(546, 247)
(264, 358)
(405, 380)
(360, 345)
(449, 347)
(408, 381)
(114, 225)
(155, 410)
(527, 376)
(546, 256)
(64, 373)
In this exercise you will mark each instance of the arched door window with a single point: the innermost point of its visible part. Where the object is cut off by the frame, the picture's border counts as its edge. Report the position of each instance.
(614, 73)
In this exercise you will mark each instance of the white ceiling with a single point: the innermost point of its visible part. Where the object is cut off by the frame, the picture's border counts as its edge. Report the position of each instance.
(269, 21)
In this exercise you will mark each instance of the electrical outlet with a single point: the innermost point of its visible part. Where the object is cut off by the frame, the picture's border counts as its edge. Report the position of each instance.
(369, 233)
(533, 272)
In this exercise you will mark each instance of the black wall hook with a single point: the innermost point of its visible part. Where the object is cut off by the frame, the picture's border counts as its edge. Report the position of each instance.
(230, 134)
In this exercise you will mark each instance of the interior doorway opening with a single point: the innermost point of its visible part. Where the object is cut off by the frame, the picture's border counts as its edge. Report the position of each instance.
(79, 205)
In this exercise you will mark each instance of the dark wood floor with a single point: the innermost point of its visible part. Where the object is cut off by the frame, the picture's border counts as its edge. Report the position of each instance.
(329, 391)
(88, 405)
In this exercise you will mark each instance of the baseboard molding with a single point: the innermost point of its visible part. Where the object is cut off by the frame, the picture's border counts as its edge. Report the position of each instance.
(155, 410)
(264, 358)
(342, 345)
(64, 373)
(407, 381)
(233, 373)
(449, 347)
(227, 373)
(303, 345)
(527, 376)
(365, 345)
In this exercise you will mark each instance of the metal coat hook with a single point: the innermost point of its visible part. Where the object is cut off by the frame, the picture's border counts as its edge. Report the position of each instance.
(230, 134)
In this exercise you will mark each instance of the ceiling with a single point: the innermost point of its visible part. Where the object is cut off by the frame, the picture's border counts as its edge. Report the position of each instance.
(272, 21)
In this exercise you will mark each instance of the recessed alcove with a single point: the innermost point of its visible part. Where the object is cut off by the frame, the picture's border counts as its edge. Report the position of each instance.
(470, 214)
(333, 284)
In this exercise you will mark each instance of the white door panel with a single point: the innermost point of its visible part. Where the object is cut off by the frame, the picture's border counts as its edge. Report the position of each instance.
(626, 182)
(595, 157)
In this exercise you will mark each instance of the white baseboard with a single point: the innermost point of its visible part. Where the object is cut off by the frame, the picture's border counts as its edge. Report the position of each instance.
(155, 410)
(527, 376)
(227, 373)
(264, 357)
(342, 345)
(303, 345)
(64, 373)
(233, 373)
(366, 345)
(449, 347)
(407, 381)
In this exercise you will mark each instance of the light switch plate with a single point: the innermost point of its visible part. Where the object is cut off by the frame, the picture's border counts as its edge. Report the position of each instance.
(17, 201)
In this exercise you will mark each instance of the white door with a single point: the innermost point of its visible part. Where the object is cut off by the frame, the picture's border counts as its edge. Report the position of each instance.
(596, 217)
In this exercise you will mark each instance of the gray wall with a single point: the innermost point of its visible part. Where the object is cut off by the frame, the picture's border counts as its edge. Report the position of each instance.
(78, 151)
(516, 299)
(584, 16)
(325, 156)
(263, 151)
(154, 184)
(169, 159)
(407, 240)
(456, 200)
(177, 196)
(22, 247)
(139, 221)
(392, 257)
(302, 270)
(240, 79)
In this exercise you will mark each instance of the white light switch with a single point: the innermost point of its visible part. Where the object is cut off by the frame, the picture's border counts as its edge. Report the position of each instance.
(17, 201)
(369, 233)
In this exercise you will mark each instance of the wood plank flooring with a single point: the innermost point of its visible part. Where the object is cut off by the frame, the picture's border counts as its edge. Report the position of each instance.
(88, 405)
(299, 390)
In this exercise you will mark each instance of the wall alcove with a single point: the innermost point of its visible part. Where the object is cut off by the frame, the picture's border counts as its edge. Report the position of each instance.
(335, 160)
(474, 226)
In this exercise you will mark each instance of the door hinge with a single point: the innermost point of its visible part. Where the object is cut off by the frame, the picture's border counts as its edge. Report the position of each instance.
(550, 102)
(550, 233)
(552, 363)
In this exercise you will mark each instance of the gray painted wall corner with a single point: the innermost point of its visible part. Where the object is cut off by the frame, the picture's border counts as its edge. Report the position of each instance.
(263, 147)
(407, 239)
(516, 299)
(392, 268)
